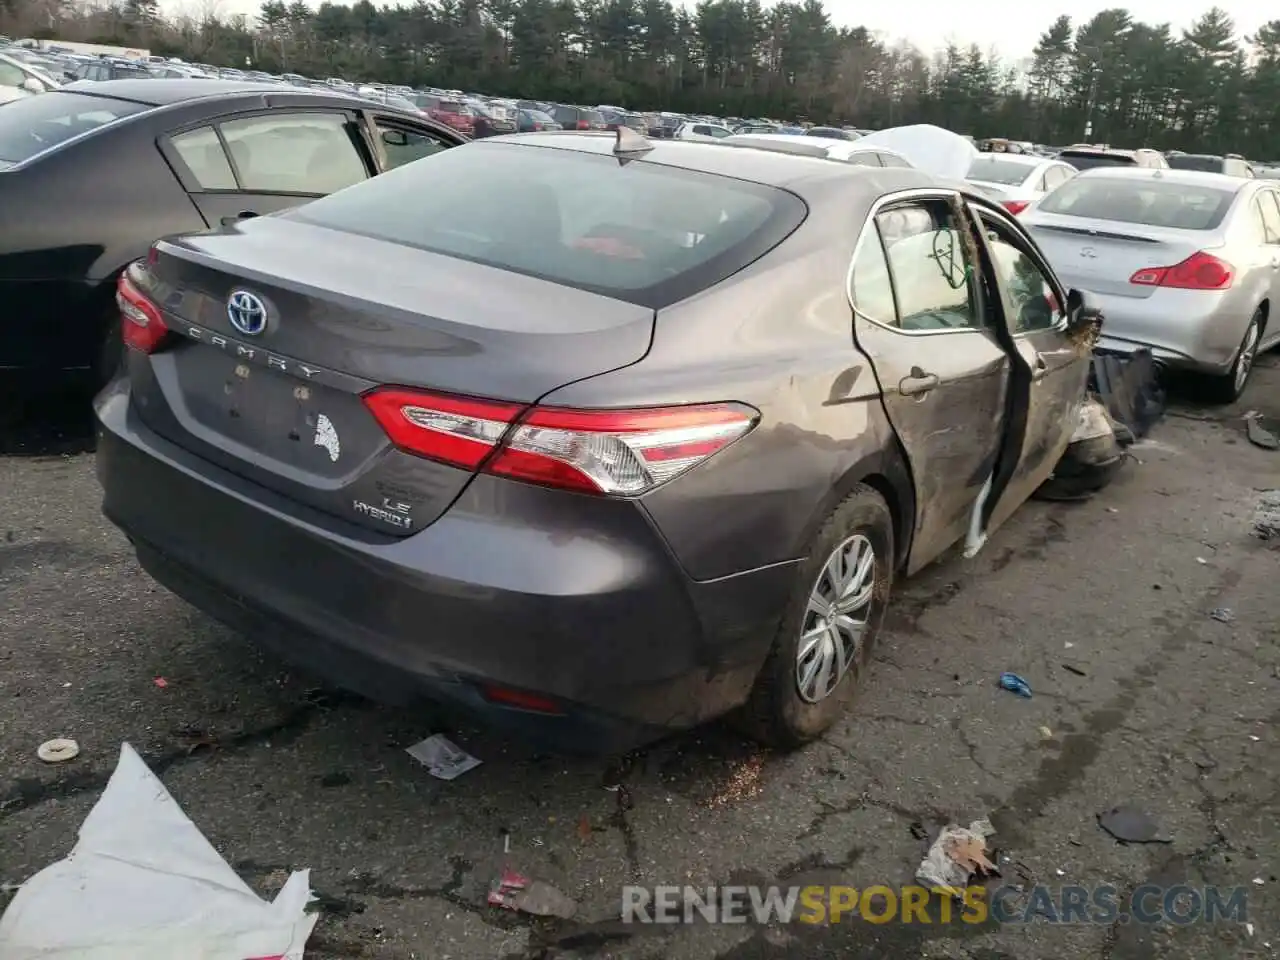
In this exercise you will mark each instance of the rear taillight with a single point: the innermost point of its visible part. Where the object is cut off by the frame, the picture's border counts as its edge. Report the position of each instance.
(1014, 206)
(614, 452)
(583, 125)
(141, 325)
(1200, 271)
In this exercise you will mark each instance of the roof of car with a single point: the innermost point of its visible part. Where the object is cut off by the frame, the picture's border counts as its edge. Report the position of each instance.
(159, 91)
(770, 167)
(1203, 178)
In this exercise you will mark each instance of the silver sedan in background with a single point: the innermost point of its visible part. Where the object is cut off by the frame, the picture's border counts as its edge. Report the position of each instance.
(1015, 181)
(1184, 262)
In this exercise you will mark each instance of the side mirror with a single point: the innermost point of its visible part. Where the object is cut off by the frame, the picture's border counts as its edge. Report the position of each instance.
(32, 85)
(1084, 317)
(395, 138)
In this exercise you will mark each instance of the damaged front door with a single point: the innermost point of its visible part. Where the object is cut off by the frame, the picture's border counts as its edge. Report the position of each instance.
(920, 317)
(1033, 305)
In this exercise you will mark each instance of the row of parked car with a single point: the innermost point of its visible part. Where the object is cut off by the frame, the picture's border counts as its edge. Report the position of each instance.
(336, 391)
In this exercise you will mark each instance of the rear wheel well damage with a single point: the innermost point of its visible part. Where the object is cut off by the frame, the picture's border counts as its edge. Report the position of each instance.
(888, 474)
(1264, 308)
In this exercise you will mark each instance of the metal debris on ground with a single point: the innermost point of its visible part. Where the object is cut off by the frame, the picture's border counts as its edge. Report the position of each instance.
(1128, 824)
(1259, 435)
(956, 856)
(1072, 668)
(1015, 684)
(143, 882)
(443, 758)
(1266, 516)
(58, 750)
(515, 891)
(1222, 615)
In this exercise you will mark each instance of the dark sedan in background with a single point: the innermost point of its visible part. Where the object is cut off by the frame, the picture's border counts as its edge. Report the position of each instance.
(594, 440)
(92, 173)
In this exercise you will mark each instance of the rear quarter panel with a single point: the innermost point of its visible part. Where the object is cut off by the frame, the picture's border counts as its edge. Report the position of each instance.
(778, 336)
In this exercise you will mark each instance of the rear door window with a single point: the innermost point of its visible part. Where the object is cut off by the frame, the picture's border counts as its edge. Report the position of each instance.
(307, 153)
(1270, 216)
(642, 232)
(932, 261)
(202, 152)
(31, 125)
(11, 76)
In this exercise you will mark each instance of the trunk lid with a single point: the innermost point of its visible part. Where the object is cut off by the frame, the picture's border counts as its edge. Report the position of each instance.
(345, 313)
(1101, 255)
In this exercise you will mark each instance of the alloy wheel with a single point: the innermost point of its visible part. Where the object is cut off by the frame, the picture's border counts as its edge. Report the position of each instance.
(1248, 349)
(835, 618)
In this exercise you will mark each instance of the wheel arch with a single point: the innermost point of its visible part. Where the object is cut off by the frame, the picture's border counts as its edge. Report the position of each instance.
(886, 471)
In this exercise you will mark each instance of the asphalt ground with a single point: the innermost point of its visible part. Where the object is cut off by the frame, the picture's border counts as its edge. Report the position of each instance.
(1140, 697)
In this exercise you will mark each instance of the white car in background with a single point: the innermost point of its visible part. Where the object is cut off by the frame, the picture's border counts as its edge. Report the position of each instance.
(1017, 180)
(18, 79)
(699, 130)
(829, 148)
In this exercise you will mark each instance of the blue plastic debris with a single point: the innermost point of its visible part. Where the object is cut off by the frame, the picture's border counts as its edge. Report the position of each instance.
(1015, 684)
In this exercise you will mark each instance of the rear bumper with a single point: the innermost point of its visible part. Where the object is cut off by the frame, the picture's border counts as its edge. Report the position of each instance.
(1186, 329)
(571, 597)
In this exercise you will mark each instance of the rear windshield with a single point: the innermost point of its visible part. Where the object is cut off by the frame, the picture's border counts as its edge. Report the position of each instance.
(1188, 161)
(32, 125)
(640, 232)
(994, 170)
(1151, 203)
(1087, 161)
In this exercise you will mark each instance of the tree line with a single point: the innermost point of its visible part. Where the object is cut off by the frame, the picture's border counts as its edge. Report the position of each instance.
(1111, 78)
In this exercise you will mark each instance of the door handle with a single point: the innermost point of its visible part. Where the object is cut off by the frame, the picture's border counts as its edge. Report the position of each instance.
(918, 383)
(242, 215)
(1275, 263)
(1039, 368)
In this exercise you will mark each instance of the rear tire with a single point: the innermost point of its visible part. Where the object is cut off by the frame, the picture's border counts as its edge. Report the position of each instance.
(790, 705)
(1228, 387)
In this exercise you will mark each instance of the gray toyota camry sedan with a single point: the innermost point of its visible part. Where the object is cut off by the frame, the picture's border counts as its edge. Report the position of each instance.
(593, 436)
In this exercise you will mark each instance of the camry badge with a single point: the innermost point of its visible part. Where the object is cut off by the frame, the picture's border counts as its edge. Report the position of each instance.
(247, 313)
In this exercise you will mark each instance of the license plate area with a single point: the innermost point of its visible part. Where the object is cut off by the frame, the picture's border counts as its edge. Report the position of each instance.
(256, 411)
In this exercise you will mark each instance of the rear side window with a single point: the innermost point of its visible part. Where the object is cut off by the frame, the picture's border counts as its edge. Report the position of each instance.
(202, 152)
(640, 232)
(32, 125)
(1087, 161)
(892, 160)
(1152, 203)
(309, 153)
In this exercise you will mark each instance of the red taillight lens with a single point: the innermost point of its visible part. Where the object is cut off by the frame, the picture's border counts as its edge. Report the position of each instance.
(1200, 271)
(141, 325)
(1014, 206)
(613, 452)
(583, 125)
(520, 700)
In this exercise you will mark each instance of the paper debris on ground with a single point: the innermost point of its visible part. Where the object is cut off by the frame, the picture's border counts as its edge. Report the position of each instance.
(443, 758)
(956, 855)
(143, 883)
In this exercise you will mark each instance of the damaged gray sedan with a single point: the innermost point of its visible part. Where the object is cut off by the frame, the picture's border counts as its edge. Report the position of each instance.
(607, 439)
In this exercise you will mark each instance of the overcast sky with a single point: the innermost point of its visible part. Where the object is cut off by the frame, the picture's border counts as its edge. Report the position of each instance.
(1012, 26)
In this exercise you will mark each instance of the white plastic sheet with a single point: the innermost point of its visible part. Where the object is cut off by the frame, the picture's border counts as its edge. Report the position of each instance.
(144, 884)
(928, 148)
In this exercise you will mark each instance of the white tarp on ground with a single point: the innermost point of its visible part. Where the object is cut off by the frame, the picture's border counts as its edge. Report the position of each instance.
(143, 883)
(928, 148)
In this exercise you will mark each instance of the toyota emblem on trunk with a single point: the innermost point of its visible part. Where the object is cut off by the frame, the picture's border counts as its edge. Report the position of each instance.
(1089, 253)
(247, 312)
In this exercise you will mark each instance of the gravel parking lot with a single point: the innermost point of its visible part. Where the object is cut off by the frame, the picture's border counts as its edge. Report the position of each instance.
(1140, 697)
